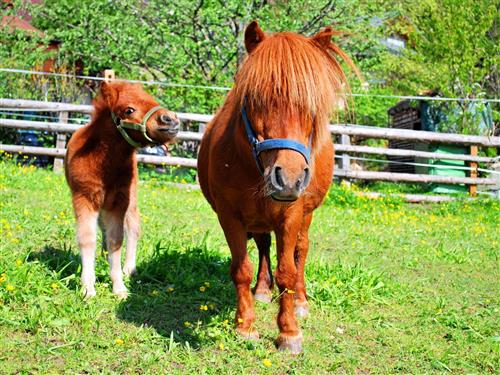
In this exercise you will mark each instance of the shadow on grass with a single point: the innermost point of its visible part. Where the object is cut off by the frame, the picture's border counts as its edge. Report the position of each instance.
(187, 294)
(63, 261)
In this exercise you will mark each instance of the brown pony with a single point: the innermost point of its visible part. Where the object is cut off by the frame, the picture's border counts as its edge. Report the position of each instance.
(101, 171)
(256, 172)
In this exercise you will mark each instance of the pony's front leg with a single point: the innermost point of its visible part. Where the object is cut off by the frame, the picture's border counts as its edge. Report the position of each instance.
(301, 249)
(86, 232)
(264, 285)
(113, 222)
(290, 337)
(241, 273)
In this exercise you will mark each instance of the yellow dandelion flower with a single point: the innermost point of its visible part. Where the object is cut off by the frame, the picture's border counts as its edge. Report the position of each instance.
(119, 342)
(19, 262)
(187, 324)
(202, 288)
(170, 290)
(266, 362)
(203, 307)
(221, 346)
(10, 287)
(240, 320)
(54, 286)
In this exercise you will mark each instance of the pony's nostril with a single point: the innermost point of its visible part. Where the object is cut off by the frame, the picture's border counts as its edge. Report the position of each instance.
(307, 176)
(279, 177)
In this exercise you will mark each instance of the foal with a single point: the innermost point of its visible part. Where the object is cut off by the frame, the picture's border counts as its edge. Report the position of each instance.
(101, 170)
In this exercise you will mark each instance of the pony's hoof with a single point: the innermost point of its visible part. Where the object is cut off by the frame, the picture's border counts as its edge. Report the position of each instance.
(263, 296)
(248, 333)
(301, 309)
(293, 344)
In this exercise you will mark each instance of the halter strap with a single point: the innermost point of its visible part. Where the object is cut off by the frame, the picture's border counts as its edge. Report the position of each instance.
(121, 125)
(272, 144)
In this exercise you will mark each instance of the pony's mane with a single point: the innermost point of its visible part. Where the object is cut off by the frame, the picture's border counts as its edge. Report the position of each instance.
(288, 70)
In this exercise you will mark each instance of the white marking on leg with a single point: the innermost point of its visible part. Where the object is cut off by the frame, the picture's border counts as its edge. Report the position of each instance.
(86, 232)
(114, 239)
(132, 230)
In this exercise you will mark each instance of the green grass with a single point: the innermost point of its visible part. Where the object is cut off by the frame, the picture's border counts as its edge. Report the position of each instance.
(394, 288)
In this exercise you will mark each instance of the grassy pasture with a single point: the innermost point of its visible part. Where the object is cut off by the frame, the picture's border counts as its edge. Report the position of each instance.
(394, 288)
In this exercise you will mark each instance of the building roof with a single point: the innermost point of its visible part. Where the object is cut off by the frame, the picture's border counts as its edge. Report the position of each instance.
(13, 23)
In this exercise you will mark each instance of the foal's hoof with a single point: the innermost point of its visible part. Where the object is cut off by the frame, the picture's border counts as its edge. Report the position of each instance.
(121, 293)
(88, 292)
(248, 333)
(263, 296)
(301, 309)
(293, 344)
(129, 270)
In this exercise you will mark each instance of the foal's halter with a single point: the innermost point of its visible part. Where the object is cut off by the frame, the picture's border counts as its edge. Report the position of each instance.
(272, 144)
(121, 125)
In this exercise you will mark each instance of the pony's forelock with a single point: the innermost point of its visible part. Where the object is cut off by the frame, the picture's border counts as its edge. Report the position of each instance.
(295, 72)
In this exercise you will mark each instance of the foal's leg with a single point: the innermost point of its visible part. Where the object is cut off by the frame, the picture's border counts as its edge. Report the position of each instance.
(290, 337)
(241, 273)
(86, 232)
(263, 288)
(113, 222)
(132, 231)
(301, 249)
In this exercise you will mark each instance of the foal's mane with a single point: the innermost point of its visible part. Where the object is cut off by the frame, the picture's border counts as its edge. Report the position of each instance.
(301, 74)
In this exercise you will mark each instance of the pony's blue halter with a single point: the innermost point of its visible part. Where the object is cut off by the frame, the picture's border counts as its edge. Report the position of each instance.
(272, 144)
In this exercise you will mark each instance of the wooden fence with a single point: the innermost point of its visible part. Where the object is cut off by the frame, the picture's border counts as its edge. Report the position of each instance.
(345, 132)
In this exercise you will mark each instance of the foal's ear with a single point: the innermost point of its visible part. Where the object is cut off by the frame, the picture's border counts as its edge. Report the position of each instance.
(324, 37)
(109, 93)
(253, 36)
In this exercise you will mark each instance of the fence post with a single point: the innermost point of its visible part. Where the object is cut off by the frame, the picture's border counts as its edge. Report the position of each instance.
(60, 142)
(345, 162)
(473, 171)
(109, 75)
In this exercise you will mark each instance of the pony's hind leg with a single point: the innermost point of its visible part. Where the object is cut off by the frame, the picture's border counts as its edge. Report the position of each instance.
(264, 285)
(113, 222)
(301, 250)
(86, 232)
(132, 231)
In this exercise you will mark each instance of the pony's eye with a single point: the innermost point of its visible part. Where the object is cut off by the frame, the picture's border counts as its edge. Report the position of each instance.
(129, 111)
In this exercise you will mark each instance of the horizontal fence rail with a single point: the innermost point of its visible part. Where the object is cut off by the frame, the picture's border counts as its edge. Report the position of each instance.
(344, 130)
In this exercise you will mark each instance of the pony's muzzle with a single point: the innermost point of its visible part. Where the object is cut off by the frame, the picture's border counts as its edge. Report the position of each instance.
(169, 124)
(284, 187)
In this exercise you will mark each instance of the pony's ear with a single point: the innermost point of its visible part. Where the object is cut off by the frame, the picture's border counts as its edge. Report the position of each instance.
(253, 36)
(324, 37)
(109, 93)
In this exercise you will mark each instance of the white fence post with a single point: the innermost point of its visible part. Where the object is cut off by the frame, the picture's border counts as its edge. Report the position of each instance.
(61, 142)
(345, 162)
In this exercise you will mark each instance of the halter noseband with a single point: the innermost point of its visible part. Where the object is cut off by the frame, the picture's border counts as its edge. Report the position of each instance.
(121, 125)
(272, 144)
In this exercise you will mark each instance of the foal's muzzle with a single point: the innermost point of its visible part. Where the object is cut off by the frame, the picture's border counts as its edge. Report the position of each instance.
(168, 124)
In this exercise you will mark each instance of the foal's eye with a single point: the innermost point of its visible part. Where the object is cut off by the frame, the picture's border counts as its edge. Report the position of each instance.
(129, 111)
